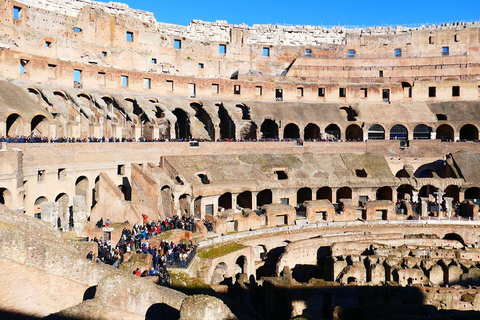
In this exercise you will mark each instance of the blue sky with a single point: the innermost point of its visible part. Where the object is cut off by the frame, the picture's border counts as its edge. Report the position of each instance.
(313, 12)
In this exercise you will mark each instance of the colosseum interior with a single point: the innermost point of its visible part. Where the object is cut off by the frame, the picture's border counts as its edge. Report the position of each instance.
(330, 172)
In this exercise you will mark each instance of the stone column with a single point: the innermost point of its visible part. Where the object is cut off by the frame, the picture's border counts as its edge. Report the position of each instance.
(424, 206)
(254, 200)
(80, 213)
(49, 212)
(448, 206)
(217, 132)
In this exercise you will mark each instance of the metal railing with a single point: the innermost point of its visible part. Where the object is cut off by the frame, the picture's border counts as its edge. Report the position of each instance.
(177, 262)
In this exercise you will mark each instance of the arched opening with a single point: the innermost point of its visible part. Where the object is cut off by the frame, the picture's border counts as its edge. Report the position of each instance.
(384, 193)
(452, 192)
(241, 265)
(244, 200)
(204, 118)
(82, 188)
(5, 197)
(303, 194)
(291, 131)
(402, 174)
(405, 191)
(344, 193)
(39, 126)
(422, 132)
(225, 201)
(472, 194)
(197, 207)
(227, 126)
(376, 132)
(269, 129)
(428, 191)
(445, 133)
(65, 218)
(351, 280)
(166, 196)
(37, 207)
(332, 131)
(264, 197)
(398, 132)
(219, 273)
(324, 193)
(454, 237)
(469, 133)
(182, 126)
(14, 125)
(311, 132)
(354, 133)
(184, 204)
(248, 131)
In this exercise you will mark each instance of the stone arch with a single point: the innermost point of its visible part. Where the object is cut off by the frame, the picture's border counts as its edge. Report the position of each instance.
(469, 132)
(472, 193)
(344, 193)
(376, 132)
(241, 265)
(427, 191)
(354, 133)
(405, 191)
(184, 204)
(197, 207)
(398, 132)
(182, 125)
(333, 130)
(291, 131)
(14, 125)
(37, 207)
(402, 174)
(384, 193)
(202, 115)
(65, 217)
(303, 194)
(81, 187)
(264, 197)
(445, 132)
(452, 191)
(219, 273)
(225, 201)
(269, 129)
(244, 199)
(227, 126)
(39, 126)
(248, 131)
(311, 132)
(324, 193)
(422, 131)
(5, 197)
(455, 237)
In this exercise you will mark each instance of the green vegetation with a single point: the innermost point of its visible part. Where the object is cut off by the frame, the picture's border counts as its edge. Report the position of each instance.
(213, 252)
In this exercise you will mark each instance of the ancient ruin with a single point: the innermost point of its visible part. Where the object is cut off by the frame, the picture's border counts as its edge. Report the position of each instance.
(330, 173)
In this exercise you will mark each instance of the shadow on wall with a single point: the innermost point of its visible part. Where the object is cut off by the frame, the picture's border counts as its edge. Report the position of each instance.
(355, 303)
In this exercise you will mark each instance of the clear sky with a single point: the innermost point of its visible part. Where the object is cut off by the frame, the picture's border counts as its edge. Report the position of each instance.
(313, 12)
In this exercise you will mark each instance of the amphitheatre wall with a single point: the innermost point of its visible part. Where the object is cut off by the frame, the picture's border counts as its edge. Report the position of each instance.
(74, 169)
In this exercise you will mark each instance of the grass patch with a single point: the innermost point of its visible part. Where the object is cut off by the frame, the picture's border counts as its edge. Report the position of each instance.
(213, 252)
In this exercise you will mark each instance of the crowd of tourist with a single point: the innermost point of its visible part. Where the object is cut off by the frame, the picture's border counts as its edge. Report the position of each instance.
(136, 240)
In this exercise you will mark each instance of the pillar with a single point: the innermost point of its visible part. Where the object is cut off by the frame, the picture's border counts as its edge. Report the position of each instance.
(448, 206)
(49, 213)
(80, 212)
(424, 206)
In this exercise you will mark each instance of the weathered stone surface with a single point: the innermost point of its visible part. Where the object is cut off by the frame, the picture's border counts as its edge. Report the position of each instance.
(202, 307)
